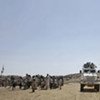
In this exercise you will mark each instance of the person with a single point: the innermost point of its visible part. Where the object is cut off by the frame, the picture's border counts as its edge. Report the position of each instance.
(33, 85)
(60, 83)
(13, 83)
(48, 81)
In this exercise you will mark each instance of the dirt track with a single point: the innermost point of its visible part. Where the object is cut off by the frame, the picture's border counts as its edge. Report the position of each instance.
(68, 92)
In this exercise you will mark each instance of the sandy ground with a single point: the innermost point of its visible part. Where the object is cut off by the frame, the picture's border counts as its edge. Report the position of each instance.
(68, 92)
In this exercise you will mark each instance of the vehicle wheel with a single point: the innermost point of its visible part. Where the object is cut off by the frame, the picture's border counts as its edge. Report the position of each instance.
(97, 87)
(81, 87)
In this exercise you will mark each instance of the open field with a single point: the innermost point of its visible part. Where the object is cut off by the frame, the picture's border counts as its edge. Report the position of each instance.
(68, 92)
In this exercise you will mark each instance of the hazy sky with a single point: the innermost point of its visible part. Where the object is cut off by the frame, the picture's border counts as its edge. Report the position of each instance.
(49, 36)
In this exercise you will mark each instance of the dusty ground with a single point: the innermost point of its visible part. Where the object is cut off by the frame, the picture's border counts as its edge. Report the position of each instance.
(68, 92)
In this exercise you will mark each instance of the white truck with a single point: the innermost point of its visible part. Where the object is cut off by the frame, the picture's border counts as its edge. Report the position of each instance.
(89, 77)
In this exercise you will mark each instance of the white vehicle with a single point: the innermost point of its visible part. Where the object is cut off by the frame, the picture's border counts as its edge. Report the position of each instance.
(89, 77)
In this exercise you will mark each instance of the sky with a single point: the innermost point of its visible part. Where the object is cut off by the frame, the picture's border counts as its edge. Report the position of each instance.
(48, 36)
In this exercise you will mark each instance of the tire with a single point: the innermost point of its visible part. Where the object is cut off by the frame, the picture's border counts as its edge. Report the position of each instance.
(81, 87)
(97, 87)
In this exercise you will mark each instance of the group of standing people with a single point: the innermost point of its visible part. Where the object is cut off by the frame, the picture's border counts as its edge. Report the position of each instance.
(34, 82)
(48, 82)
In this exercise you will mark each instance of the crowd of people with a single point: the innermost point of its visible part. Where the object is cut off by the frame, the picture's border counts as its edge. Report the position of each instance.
(34, 82)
